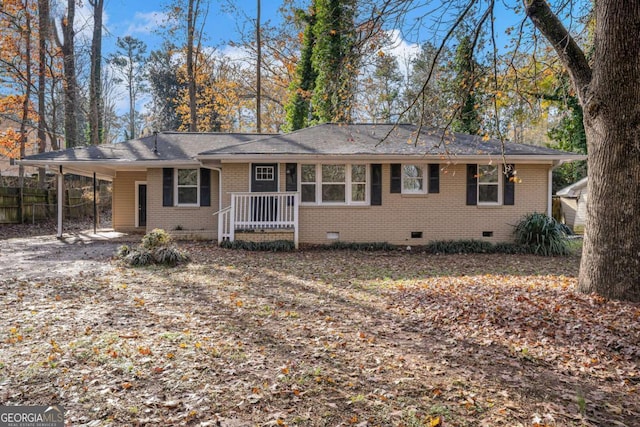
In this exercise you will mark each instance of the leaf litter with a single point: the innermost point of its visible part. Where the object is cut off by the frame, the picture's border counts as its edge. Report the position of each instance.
(316, 338)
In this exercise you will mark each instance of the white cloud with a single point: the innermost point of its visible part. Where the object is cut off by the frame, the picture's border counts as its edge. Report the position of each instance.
(146, 23)
(404, 51)
(236, 53)
(83, 23)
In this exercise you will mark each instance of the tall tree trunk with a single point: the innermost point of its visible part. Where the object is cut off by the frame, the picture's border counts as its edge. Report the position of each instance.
(193, 113)
(95, 78)
(25, 103)
(258, 73)
(43, 37)
(609, 91)
(132, 104)
(70, 81)
(611, 253)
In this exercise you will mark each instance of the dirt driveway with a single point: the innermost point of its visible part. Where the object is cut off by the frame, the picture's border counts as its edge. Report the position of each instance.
(35, 257)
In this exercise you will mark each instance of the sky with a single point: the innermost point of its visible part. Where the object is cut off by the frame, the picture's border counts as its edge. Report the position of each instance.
(140, 19)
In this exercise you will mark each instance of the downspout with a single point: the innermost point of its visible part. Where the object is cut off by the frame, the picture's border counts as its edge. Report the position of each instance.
(60, 200)
(95, 205)
(550, 193)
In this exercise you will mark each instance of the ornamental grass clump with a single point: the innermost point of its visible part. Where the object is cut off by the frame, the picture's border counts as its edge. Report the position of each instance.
(542, 234)
(156, 248)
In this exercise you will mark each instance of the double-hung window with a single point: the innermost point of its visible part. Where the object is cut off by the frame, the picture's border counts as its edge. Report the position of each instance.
(413, 181)
(489, 185)
(334, 184)
(308, 183)
(187, 183)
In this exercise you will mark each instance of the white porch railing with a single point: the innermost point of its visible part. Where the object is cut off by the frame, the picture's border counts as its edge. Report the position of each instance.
(259, 211)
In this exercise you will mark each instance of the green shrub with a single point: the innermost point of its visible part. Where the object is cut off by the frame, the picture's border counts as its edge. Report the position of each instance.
(155, 248)
(542, 234)
(273, 246)
(511, 248)
(156, 238)
(369, 247)
(123, 251)
(460, 247)
(139, 257)
(169, 255)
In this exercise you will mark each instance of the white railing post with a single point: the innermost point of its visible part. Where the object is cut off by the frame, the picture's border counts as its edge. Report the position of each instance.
(232, 219)
(254, 211)
(295, 219)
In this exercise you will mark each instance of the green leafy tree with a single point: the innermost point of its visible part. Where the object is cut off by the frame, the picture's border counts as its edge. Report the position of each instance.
(334, 60)
(425, 98)
(128, 62)
(165, 87)
(466, 85)
(298, 108)
(383, 89)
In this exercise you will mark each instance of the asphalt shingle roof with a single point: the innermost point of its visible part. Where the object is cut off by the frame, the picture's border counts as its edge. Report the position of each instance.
(326, 139)
(377, 139)
(170, 146)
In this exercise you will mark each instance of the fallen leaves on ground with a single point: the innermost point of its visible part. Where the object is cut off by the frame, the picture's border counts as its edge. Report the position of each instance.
(318, 338)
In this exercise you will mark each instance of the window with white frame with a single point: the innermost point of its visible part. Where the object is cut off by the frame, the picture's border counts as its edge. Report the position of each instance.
(334, 184)
(264, 173)
(413, 179)
(187, 182)
(358, 183)
(308, 183)
(489, 184)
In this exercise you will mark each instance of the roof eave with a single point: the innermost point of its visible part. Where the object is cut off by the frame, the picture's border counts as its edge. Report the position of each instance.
(516, 158)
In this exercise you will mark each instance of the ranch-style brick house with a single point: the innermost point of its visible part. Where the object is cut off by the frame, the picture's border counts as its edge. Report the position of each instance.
(354, 183)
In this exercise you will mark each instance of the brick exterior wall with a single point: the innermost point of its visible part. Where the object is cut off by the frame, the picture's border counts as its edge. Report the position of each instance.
(124, 203)
(180, 218)
(441, 216)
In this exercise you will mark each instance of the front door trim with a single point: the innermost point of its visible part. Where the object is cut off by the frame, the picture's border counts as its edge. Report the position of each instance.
(137, 202)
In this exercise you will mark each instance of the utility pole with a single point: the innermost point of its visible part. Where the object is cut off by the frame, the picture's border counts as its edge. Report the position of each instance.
(258, 76)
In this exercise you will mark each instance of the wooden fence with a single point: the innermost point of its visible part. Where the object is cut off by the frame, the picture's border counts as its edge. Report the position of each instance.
(30, 205)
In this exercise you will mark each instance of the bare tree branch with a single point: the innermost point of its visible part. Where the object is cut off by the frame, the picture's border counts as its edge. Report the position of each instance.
(570, 54)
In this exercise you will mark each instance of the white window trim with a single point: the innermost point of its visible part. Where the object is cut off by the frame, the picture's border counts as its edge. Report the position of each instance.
(425, 178)
(499, 185)
(265, 170)
(348, 185)
(176, 187)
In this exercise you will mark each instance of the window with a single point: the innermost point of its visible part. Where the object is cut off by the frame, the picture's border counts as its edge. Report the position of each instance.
(413, 179)
(187, 181)
(359, 183)
(308, 183)
(489, 184)
(334, 184)
(264, 173)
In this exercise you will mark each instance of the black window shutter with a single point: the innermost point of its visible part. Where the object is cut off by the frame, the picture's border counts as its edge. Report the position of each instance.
(434, 178)
(509, 196)
(472, 184)
(291, 176)
(376, 184)
(205, 187)
(396, 178)
(167, 187)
